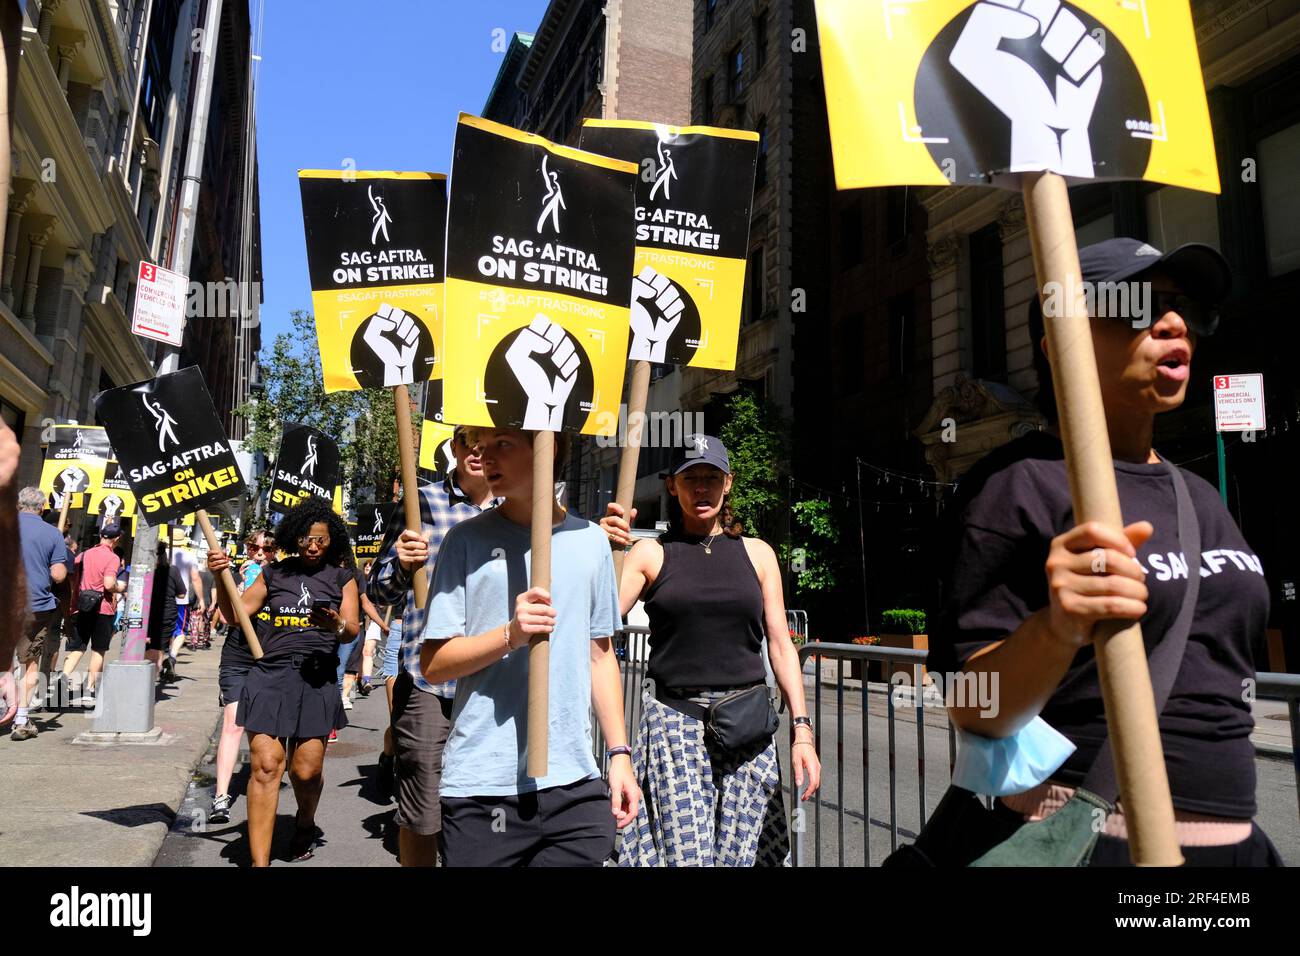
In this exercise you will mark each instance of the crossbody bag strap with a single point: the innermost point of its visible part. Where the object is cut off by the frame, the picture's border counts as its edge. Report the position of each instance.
(1167, 657)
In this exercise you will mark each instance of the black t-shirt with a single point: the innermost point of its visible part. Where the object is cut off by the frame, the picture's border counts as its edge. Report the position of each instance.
(290, 592)
(1008, 510)
(167, 587)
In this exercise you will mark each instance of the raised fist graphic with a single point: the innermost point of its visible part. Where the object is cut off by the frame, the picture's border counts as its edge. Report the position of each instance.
(111, 506)
(1049, 128)
(545, 362)
(657, 308)
(394, 337)
(74, 479)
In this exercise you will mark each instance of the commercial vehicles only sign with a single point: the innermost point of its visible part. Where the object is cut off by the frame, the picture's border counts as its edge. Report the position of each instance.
(1239, 403)
(159, 304)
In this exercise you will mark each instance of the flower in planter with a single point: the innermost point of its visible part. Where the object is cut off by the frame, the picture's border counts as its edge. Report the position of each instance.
(868, 639)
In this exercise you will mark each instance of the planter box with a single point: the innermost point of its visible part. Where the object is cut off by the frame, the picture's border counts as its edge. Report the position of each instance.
(920, 642)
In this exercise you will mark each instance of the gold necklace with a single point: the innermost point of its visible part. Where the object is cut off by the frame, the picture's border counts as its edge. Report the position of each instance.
(707, 548)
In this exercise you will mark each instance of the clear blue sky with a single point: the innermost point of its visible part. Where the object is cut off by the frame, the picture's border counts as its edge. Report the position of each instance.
(380, 83)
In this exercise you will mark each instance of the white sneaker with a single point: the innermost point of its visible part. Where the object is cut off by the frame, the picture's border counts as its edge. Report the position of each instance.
(347, 704)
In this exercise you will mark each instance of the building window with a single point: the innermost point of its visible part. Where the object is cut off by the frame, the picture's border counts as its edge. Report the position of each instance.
(706, 99)
(1278, 158)
(902, 337)
(757, 303)
(846, 363)
(988, 317)
(735, 74)
(1177, 216)
(760, 40)
(710, 10)
(760, 170)
(851, 236)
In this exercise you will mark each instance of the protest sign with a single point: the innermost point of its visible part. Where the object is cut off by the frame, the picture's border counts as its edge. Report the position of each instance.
(306, 466)
(375, 258)
(540, 249)
(436, 453)
(693, 201)
(75, 460)
(955, 91)
(372, 520)
(114, 498)
(171, 445)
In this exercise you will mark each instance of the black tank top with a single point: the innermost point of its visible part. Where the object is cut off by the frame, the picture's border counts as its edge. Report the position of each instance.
(285, 627)
(706, 615)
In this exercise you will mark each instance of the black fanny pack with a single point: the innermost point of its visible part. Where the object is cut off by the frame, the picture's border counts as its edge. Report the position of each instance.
(88, 601)
(736, 722)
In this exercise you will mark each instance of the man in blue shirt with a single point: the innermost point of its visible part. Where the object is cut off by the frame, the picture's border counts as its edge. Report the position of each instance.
(45, 560)
(493, 813)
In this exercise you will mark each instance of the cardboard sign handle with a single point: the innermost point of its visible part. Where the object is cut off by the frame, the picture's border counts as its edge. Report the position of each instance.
(637, 393)
(410, 482)
(232, 589)
(1121, 656)
(539, 649)
(63, 512)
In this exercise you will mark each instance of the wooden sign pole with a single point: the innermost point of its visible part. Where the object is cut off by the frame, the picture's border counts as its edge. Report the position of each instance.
(232, 589)
(539, 649)
(410, 482)
(637, 393)
(63, 512)
(1121, 657)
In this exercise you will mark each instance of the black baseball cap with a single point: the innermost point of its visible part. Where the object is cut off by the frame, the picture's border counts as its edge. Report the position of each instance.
(111, 528)
(701, 450)
(1200, 270)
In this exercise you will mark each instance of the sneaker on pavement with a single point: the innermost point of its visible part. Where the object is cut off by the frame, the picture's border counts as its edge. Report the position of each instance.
(23, 731)
(347, 703)
(220, 812)
(334, 736)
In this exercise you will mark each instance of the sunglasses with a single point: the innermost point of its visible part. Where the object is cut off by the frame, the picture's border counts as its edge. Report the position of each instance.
(308, 539)
(1200, 318)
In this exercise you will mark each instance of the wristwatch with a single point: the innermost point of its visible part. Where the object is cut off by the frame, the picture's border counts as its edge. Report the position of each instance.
(802, 721)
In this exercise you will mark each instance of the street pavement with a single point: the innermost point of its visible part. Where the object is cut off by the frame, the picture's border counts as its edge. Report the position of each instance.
(64, 803)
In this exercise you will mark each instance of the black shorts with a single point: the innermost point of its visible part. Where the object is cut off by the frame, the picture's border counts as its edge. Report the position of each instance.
(93, 630)
(1256, 850)
(236, 662)
(295, 697)
(571, 825)
(353, 665)
(421, 722)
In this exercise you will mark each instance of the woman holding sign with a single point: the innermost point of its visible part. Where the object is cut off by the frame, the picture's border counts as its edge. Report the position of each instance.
(712, 792)
(1027, 588)
(290, 701)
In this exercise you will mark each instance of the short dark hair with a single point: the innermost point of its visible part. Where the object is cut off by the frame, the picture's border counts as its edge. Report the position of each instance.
(1045, 400)
(297, 523)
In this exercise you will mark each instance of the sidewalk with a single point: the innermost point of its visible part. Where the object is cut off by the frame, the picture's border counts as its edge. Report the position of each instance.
(69, 804)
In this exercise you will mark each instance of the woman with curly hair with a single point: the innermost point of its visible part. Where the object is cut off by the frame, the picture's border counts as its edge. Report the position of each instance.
(290, 703)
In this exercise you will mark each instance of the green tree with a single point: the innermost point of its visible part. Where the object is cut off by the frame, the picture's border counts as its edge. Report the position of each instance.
(362, 422)
(752, 435)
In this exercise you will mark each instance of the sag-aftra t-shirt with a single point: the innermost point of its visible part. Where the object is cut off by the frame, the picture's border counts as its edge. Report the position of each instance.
(1008, 510)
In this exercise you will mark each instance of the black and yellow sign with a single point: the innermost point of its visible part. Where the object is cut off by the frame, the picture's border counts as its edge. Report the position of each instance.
(114, 498)
(693, 200)
(171, 445)
(307, 466)
(75, 460)
(375, 255)
(540, 248)
(965, 92)
(436, 453)
(372, 521)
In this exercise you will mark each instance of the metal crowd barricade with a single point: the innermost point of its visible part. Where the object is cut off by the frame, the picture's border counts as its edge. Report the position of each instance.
(632, 649)
(1274, 686)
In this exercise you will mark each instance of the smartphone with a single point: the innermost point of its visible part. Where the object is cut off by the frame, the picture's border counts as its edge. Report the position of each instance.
(322, 606)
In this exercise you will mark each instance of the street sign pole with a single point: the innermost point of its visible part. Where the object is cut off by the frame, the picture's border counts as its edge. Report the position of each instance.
(1223, 466)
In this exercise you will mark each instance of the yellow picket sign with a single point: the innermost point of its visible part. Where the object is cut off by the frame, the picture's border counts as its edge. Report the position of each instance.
(939, 92)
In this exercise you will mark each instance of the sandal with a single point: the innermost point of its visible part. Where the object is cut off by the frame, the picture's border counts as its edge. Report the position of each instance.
(303, 842)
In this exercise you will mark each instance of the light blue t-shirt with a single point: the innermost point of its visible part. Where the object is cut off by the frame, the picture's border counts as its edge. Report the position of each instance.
(483, 565)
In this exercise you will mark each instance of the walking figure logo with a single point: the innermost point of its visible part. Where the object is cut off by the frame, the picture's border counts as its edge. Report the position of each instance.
(77, 442)
(379, 522)
(381, 218)
(162, 421)
(667, 171)
(554, 200)
(304, 596)
(309, 464)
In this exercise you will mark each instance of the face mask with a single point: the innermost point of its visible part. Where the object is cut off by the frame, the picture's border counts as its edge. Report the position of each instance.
(1006, 765)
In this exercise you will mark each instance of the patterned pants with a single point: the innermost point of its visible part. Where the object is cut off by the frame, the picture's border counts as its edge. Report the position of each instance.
(702, 807)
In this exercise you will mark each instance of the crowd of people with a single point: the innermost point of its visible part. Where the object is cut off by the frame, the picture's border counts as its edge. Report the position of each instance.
(699, 781)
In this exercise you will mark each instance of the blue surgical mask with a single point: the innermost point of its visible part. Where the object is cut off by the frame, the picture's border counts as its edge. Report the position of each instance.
(1005, 765)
